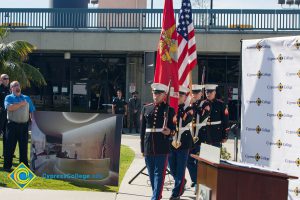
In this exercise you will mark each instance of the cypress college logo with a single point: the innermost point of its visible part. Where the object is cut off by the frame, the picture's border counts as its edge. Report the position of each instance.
(259, 74)
(258, 129)
(280, 87)
(297, 103)
(297, 44)
(280, 115)
(298, 162)
(259, 101)
(297, 132)
(280, 58)
(293, 162)
(258, 46)
(296, 191)
(22, 176)
(279, 144)
(291, 74)
(257, 157)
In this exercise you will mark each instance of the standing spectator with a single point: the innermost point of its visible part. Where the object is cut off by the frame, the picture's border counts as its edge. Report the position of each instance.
(4, 91)
(134, 107)
(19, 108)
(119, 106)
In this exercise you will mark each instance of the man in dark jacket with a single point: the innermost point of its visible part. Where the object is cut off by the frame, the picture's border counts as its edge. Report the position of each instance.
(4, 91)
(119, 106)
(134, 108)
(155, 143)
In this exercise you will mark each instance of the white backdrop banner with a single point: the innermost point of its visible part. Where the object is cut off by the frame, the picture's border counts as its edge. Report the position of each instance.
(270, 124)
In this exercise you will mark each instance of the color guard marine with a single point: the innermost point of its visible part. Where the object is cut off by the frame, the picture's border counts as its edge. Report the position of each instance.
(157, 125)
(181, 142)
(217, 126)
(196, 102)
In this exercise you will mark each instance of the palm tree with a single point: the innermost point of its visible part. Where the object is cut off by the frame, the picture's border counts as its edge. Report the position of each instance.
(12, 61)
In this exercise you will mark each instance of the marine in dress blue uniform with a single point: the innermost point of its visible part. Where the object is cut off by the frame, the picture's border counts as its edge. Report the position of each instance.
(217, 127)
(155, 139)
(196, 102)
(181, 143)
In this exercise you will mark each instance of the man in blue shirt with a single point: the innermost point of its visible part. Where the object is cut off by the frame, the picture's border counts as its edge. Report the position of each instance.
(19, 108)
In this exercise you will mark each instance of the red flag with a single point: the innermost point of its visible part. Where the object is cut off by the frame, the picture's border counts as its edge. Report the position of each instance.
(166, 59)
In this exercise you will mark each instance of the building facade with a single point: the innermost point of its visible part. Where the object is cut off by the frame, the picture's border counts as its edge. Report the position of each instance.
(84, 65)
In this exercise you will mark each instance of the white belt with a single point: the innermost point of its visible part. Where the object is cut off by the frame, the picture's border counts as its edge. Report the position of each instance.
(184, 129)
(153, 130)
(213, 123)
(200, 124)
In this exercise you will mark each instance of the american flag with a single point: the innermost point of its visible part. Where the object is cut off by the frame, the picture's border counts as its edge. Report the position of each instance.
(187, 53)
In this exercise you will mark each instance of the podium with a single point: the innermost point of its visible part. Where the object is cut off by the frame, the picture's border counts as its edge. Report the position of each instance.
(230, 182)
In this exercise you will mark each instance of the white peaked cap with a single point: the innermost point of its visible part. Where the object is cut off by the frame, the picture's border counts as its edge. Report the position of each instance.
(211, 86)
(183, 89)
(159, 87)
(197, 87)
(172, 93)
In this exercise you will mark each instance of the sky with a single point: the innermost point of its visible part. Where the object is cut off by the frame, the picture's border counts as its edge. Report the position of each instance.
(218, 4)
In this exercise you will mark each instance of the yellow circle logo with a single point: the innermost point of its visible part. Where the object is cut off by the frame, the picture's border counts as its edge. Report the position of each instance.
(22, 176)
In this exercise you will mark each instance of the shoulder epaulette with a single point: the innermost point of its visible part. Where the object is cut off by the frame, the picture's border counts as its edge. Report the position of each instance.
(219, 100)
(149, 104)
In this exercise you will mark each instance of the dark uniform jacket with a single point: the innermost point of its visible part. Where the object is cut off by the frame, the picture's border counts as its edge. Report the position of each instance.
(119, 105)
(152, 116)
(214, 134)
(4, 91)
(186, 137)
(197, 108)
(134, 104)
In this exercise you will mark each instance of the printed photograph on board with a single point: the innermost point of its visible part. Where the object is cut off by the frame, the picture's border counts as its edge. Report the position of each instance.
(77, 147)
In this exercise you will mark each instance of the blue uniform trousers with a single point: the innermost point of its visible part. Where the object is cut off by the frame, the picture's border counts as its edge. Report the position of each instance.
(157, 165)
(177, 165)
(192, 163)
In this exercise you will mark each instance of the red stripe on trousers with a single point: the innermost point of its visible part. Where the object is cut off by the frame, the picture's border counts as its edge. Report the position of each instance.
(182, 184)
(163, 180)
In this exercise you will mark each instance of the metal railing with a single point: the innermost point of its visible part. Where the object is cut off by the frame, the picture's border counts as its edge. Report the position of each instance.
(148, 19)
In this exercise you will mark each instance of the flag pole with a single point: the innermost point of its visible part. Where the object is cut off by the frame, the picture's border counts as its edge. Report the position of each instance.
(190, 82)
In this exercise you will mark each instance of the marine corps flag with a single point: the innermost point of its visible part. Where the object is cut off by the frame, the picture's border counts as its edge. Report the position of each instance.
(166, 60)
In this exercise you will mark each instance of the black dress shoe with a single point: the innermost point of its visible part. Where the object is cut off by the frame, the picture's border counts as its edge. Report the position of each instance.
(174, 198)
(7, 170)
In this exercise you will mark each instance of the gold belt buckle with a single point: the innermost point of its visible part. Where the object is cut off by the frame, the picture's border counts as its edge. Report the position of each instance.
(209, 123)
(153, 129)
